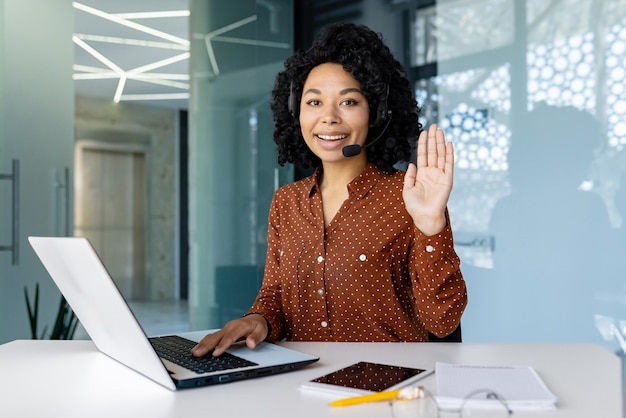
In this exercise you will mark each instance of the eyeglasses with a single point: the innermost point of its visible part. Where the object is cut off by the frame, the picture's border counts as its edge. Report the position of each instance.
(417, 402)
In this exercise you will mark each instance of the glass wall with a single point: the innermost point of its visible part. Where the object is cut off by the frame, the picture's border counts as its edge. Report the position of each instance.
(36, 131)
(532, 94)
(236, 50)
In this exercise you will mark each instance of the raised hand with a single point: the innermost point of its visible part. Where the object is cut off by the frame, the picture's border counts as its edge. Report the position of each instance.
(427, 187)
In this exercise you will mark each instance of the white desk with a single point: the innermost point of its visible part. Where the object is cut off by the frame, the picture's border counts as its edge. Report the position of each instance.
(72, 379)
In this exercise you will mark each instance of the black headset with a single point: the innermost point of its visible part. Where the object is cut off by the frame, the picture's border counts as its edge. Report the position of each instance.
(382, 111)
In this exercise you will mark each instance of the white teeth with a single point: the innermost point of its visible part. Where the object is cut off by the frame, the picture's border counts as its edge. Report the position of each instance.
(331, 137)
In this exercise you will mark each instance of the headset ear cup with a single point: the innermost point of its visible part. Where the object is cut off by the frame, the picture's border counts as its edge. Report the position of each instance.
(292, 102)
(382, 112)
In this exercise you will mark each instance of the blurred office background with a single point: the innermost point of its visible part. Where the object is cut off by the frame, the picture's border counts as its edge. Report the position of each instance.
(150, 134)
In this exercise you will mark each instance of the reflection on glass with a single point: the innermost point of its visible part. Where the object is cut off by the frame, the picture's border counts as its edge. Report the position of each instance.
(543, 91)
(237, 50)
(480, 131)
(454, 29)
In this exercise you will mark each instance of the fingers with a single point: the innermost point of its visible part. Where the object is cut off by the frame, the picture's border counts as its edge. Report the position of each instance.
(441, 148)
(207, 344)
(252, 327)
(431, 146)
(226, 341)
(449, 164)
(409, 176)
(432, 150)
(422, 141)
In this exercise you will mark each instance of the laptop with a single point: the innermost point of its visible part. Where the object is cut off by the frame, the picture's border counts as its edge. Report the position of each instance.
(92, 294)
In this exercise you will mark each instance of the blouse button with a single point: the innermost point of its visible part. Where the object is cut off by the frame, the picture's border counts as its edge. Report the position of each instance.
(362, 257)
(320, 292)
(320, 259)
(324, 324)
(430, 248)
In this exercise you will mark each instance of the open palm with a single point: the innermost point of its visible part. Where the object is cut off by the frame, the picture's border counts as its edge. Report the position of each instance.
(427, 186)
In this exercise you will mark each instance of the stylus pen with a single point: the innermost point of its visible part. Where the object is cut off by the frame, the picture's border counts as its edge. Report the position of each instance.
(410, 392)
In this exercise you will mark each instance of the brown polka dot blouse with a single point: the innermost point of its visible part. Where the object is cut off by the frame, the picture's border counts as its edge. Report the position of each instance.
(370, 276)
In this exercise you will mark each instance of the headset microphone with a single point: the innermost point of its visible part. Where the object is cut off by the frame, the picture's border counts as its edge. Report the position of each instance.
(355, 149)
(351, 150)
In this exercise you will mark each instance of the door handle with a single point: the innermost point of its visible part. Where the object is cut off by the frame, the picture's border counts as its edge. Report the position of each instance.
(67, 201)
(62, 203)
(14, 177)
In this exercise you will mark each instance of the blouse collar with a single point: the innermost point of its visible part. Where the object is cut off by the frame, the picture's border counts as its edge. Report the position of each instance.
(357, 188)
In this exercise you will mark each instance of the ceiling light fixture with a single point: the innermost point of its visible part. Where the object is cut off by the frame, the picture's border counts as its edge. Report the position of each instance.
(141, 74)
(98, 56)
(153, 15)
(130, 24)
(120, 88)
(133, 42)
(162, 96)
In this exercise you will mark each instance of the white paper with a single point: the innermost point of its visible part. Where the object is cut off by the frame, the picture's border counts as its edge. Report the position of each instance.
(520, 386)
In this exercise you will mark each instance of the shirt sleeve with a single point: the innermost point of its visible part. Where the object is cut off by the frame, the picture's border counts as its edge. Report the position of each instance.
(438, 285)
(268, 302)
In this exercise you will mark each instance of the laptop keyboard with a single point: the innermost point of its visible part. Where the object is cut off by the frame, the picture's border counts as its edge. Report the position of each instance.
(177, 350)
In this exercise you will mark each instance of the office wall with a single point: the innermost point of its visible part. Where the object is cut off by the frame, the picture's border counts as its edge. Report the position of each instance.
(37, 105)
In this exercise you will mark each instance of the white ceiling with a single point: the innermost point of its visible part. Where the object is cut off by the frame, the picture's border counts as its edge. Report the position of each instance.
(124, 57)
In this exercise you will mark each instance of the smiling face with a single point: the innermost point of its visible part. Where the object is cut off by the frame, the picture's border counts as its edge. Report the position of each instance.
(334, 113)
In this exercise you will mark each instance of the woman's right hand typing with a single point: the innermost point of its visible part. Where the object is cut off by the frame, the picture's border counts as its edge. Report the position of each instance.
(253, 328)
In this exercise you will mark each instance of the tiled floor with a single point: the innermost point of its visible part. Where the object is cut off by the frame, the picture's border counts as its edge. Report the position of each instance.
(156, 318)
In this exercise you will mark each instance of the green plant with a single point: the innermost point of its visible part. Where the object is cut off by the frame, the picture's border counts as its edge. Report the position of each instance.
(64, 325)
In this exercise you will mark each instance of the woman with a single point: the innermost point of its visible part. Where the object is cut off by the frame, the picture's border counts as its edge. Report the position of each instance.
(359, 251)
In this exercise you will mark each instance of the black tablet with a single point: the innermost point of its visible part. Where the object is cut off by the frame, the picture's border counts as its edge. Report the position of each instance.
(366, 377)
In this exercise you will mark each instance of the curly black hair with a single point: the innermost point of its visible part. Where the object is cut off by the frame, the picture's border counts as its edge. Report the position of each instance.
(363, 53)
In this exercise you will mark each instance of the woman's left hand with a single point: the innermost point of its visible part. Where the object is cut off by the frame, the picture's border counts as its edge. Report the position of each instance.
(427, 187)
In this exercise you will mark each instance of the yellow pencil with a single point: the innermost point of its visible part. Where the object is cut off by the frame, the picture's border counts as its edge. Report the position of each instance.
(373, 397)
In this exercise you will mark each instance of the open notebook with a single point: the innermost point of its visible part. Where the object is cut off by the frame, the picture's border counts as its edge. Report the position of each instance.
(97, 302)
